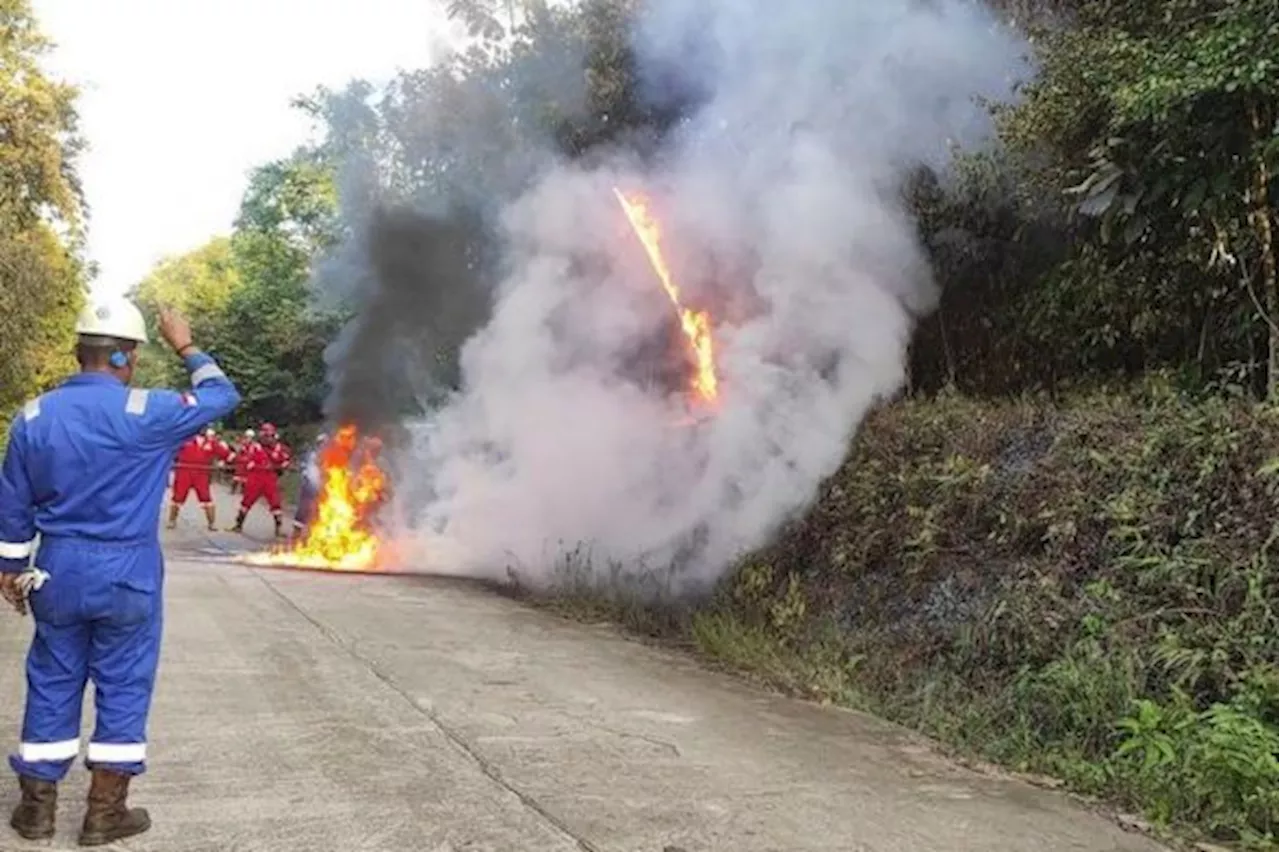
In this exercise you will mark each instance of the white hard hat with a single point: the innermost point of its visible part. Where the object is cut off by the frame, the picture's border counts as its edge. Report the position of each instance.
(112, 316)
(249, 433)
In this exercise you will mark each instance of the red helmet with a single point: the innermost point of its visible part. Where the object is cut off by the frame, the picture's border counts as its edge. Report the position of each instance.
(268, 430)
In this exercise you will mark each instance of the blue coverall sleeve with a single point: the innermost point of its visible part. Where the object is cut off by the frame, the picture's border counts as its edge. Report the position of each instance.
(17, 503)
(171, 417)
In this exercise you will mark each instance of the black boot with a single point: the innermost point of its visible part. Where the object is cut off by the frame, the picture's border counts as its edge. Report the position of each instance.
(33, 817)
(239, 524)
(108, 818)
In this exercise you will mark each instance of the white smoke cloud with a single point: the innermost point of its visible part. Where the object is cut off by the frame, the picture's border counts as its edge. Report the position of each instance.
(779, 201)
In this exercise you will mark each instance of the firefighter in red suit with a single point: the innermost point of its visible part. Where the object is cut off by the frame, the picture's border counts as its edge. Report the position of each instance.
(264, 461)
(238, 460)
(193, 471)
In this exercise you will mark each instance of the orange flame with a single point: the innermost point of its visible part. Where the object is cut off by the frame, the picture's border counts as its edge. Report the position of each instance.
(339, 537)
(696, 325)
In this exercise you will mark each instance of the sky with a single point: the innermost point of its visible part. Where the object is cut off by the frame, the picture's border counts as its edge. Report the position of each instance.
(180, 99)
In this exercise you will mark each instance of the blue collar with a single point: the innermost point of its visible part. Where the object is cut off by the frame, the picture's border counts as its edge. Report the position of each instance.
(93, 378)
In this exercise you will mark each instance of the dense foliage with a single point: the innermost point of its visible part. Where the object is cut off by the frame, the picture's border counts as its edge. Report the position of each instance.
(1129, 221)
(41, 214)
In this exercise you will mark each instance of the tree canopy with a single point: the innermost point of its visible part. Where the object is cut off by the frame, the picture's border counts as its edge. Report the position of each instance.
(41, 214)
(1129, 222)
(247, 295)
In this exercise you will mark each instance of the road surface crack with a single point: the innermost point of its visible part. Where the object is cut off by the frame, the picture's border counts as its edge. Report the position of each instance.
(454, 737)
(633, 735)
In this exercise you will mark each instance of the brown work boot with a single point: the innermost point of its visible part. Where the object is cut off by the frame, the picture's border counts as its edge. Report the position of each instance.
(33, 817)
(210, 514)
(108, 818)
(174, 508)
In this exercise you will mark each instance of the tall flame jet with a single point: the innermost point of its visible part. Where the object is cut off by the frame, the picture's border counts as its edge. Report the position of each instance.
(696, 325)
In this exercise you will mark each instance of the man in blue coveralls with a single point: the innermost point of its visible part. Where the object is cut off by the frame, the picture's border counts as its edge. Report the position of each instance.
(86, 469)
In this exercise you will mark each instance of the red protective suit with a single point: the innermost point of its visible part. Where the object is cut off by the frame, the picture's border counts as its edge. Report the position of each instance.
(239, 460)
(222, 451)
(193, 468)
(263, 465)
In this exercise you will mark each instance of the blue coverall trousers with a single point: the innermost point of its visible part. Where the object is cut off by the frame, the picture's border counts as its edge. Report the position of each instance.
(98, 617)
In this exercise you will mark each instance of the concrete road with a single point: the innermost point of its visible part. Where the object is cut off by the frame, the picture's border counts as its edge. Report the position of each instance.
(306, 711)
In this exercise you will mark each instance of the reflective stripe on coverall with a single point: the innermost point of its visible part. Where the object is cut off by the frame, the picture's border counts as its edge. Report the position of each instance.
(86, 468)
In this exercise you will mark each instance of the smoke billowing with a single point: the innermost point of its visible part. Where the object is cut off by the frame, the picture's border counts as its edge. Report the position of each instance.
(779, 199)
(407, 326)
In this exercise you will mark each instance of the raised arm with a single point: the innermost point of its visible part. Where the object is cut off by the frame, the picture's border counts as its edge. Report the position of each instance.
(171, 417)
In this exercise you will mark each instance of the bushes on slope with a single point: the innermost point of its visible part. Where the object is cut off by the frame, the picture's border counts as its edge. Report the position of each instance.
(1087, 590)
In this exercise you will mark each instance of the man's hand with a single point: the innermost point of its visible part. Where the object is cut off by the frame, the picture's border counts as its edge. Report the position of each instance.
(175, 329)
(13, 592)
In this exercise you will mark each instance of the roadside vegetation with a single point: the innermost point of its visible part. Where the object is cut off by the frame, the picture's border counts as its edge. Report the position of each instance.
(1057, 551)
(1083, 589)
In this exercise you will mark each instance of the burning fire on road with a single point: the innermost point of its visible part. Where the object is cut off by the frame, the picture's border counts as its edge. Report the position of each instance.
(341, 536)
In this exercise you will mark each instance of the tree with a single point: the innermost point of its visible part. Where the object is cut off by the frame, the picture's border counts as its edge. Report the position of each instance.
(270, 339)
(491, 20)
(295, 201)
(40, 294)
(38, 132)
(1162, 119)
(199, 283)
(41, 275)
